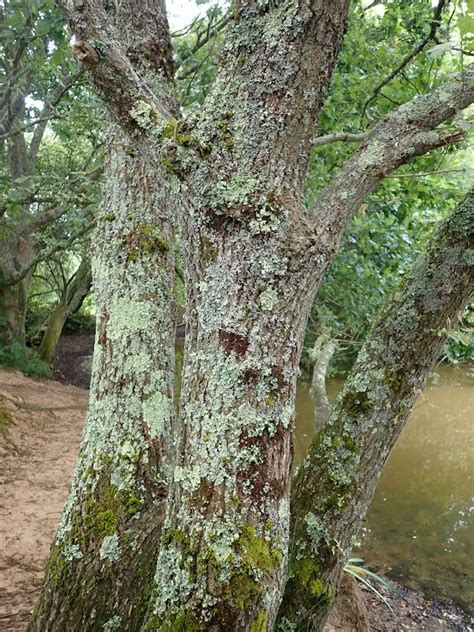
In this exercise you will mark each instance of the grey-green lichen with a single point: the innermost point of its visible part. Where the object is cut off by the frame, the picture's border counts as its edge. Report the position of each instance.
(144, 115)
(113, 624)
(110, 549)
(268, 299)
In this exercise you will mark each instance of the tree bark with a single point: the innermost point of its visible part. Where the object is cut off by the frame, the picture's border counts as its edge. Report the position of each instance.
(254, 258)
(71, 300)
(334, 485)
(104, 550)
(100, 572)
(222, 560)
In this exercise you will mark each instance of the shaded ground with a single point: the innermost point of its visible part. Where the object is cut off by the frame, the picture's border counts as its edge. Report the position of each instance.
(40, 430)
(73, 361)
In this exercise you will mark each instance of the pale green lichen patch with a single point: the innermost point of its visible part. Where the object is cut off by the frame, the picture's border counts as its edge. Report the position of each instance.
(110, 549)
(268, 299)
(157, 411)
(143, 113)
(127, 316)
(72, 552)
(113, 624)
(233, 192)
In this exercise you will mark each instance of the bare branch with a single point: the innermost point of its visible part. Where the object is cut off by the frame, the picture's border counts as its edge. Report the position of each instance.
(203, 38)
(424, 174)
(338, 137)
(48, 111)
(44, 255)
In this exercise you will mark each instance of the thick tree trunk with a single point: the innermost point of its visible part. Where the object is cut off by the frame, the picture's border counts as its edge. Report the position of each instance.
(101, 565)
(223, 557)
(71, 300)
(335, 484)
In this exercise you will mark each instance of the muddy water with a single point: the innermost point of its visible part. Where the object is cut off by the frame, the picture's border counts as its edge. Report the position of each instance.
(420, 526)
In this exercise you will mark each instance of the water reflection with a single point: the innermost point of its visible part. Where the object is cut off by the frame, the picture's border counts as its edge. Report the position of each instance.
(420, 526)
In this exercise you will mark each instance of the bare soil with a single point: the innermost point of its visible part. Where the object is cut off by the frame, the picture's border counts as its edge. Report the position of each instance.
(40, 430)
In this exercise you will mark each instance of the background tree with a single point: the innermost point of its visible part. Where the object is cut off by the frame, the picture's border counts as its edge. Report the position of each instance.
(48, 184)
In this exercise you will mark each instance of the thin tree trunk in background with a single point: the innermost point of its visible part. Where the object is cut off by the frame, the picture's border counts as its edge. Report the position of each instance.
(107, 538)
(71, 300)
(324, 349)
(335, 483)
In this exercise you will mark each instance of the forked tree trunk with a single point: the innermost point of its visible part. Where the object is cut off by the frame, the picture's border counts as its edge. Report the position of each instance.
(103, 551)
(335, 483)
(71, 300)
(254, 258)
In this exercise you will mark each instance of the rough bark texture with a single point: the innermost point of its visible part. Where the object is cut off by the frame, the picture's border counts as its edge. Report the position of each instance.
(110, 526)
(223, 555)
(74, 294)
(334, 485)
(110, 529)
(254, 258)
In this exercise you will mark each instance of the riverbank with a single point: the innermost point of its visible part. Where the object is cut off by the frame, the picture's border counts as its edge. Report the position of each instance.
(40, 431)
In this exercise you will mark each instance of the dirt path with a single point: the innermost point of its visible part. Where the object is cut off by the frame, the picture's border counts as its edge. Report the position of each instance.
(40, 430)
(38, 450)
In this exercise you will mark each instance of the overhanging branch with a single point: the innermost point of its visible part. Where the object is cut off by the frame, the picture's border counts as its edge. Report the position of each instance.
(407, 132)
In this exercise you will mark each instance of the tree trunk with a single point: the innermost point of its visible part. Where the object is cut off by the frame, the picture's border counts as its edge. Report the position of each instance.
(324, 349)
(13, 301)
(223, 556)
(104, 550)
(335, 483)
(71, 300)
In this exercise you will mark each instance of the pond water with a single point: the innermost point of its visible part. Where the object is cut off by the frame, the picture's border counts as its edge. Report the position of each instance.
(420, 526)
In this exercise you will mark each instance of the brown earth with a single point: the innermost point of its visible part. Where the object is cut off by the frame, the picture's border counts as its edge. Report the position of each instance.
(40, 429)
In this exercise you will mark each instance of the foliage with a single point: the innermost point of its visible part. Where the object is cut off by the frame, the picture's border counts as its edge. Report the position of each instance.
(368, 578)
(393, 226)
(24, 359)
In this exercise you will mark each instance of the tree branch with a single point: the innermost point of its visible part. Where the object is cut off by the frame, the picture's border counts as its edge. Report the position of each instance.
(114, 67)
(322, 352)
(338, 137)
(48, 109)
(333, 488)
(407, 132)
(44, 255)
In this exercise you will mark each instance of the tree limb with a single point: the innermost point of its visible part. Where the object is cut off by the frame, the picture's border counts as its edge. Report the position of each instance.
(338, 137)
(323, 350)
(47, 253)
(134, 104)
(334, 485)
(407, 132)
(48, 109)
